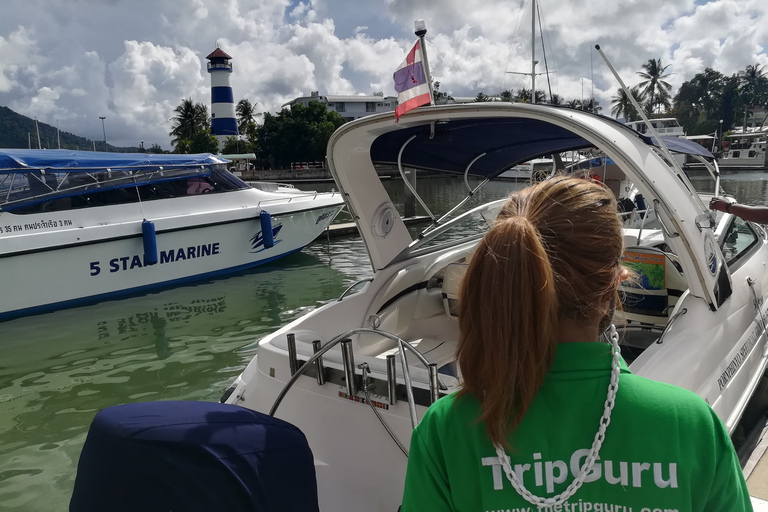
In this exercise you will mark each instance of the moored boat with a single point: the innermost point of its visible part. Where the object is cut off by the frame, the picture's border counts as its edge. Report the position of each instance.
(745, 151)
(699, 322)
(79, 227)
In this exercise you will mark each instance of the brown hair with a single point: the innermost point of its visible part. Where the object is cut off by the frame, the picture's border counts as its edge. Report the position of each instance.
(552, 253)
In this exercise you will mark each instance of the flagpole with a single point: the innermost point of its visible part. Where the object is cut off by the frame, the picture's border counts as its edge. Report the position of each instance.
(421, 31)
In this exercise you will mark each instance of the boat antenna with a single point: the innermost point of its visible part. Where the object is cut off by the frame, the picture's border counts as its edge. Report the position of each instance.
(420, 29)
(640, 111)
(591, 78)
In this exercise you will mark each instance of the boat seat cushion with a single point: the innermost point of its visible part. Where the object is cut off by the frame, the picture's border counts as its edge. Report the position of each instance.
(193, 456)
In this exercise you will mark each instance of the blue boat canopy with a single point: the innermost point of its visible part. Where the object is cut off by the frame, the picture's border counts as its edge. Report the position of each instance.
(452, 145)
(14, 160)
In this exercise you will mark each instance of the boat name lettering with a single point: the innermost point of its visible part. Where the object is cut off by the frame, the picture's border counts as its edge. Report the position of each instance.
(170, 256)
(322, 217)
(34, 226)
(362, 400)
(739, 358)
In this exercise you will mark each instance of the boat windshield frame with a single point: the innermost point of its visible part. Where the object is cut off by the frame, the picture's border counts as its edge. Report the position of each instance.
(28, 187)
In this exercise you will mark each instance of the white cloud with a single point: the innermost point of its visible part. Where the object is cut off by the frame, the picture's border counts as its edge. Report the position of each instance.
(134, 61)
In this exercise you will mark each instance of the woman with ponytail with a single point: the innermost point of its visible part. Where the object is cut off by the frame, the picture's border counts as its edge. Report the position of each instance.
(549, 417)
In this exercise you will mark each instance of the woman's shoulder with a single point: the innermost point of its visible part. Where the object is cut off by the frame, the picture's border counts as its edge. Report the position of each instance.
(450, 411)
(659, 400)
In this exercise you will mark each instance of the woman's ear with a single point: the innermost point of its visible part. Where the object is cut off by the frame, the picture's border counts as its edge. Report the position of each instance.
(623, 274)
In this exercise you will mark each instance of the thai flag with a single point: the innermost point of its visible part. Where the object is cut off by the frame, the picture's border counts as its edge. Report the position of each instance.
(411, 83)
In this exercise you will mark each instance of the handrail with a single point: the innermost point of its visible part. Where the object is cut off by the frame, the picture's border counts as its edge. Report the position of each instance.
(669, 325)
(408, 184)
(402, 345)
(353, 285)
(463, 201)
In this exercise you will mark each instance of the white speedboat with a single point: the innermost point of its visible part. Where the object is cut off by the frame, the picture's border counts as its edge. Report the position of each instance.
(79, 227)
(356, 374)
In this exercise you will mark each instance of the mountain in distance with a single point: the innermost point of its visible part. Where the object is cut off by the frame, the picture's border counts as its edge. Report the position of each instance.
(17, 131)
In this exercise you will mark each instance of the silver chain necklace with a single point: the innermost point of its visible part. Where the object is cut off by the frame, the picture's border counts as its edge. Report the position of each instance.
(605, 420)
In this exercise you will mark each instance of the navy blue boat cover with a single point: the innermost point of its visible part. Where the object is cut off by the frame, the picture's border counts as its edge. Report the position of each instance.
(193, 456)
(504, 142)
(71, 160)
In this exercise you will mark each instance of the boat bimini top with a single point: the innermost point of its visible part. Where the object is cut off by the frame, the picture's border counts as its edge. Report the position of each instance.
(31, 180)
(486, 139)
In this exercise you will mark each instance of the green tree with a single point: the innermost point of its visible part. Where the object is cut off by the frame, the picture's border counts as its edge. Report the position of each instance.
(753, 87)
(655, 88)
(506, 96)
(698, 103)
(555, 100)
(591, 105)
(298, 134)
(573, 104)
(482, 98)
(233, 145)
(246, 115)
(190, 120)
(621, 104)
(204, 142)
(524, 96)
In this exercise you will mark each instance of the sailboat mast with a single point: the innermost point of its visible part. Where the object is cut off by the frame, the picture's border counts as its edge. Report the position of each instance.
(533, 51)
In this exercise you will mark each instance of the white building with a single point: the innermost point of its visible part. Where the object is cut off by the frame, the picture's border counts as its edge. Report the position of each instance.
(350, 107)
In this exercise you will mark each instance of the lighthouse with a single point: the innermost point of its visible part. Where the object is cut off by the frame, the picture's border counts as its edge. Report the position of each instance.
(223, 121)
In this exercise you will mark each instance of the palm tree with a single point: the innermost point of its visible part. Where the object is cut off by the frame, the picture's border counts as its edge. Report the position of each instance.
(246, 115)
(591, 105)
(621, 105)
(753, 87)
(555, 100)
(654, 86)
(190, 119)
(573, 104)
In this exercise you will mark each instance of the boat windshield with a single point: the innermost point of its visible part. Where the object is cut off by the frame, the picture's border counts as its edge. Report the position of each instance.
(27, 191)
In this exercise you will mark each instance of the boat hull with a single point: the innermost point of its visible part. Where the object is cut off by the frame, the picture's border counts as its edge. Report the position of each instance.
(65, 259)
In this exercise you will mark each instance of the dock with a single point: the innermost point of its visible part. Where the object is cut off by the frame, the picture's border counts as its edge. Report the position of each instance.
(756, 471)
(350, 228)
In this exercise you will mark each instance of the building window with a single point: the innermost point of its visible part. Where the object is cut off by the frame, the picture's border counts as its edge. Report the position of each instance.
(378, 104)
(341, 107)
(386, 104)
(330, 104)
(370, 106)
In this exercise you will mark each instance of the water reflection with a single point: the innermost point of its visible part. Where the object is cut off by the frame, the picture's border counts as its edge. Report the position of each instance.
(57, 370)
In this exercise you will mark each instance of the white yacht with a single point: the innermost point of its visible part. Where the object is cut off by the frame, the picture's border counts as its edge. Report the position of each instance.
(745, 151)
(356, 374)
(79, 227)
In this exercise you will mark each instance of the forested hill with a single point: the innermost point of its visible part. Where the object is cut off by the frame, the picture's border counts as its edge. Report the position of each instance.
(17, 130)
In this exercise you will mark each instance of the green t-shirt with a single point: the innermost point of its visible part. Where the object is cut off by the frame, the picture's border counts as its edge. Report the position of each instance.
(664, 450)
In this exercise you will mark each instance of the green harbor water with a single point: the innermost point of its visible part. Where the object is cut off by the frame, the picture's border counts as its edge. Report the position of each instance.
(187, 343)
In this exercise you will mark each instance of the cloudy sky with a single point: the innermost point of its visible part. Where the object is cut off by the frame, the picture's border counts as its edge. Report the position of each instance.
(133, 61)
